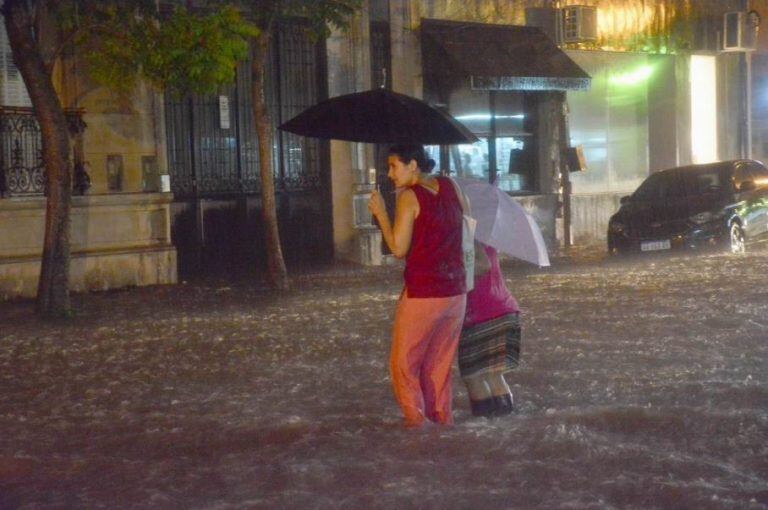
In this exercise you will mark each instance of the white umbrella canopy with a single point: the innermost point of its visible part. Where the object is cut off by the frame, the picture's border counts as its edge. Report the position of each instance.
(503, 223)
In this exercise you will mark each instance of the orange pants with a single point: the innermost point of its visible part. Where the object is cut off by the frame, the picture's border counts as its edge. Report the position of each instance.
(424, 341)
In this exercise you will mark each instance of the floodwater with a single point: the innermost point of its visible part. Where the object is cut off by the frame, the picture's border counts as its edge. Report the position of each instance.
(643, 385)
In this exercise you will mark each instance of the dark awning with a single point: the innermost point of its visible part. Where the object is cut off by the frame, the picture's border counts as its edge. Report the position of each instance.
(498, 57)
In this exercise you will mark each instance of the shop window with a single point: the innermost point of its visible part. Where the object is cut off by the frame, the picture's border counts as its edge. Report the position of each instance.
(433, 152)
(507, 152)
(471, 160)
(516, 161)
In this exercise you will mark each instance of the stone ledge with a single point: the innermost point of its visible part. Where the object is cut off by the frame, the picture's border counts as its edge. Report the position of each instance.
(117, 240)
(94, 271)
(122, 250)
(101, 200)
(97, 223)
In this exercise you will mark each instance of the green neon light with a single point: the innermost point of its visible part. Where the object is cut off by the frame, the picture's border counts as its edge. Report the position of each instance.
(634, 77)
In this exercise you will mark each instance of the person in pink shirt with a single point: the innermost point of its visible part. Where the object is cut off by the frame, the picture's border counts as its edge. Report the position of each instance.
(430, 312)
(490, 340)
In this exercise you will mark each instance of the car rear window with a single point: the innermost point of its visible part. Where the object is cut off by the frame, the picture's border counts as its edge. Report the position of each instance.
(686, 181)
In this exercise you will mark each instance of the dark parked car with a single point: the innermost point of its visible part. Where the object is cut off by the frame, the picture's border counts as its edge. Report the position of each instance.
(713, 205)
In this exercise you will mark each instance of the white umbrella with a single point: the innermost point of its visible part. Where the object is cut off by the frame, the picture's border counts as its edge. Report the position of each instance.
(503, 223)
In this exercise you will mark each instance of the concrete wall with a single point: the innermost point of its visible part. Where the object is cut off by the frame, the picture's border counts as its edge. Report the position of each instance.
(590, 214)
(125, 127)
(760, 106)
(117, 240)
(664, 97)
(406, 47)
(118, 237)
(761, 6)
(130, 125)
(730, 94)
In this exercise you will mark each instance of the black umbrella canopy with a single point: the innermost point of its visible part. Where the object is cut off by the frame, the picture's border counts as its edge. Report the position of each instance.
(379, 116)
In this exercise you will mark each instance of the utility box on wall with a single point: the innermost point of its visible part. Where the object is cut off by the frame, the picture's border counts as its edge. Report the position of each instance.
(368, 249)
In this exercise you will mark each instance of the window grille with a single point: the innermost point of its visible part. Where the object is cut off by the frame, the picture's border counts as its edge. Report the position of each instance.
(297, 64)
(381, 55)
(21, 157)
(208, 159)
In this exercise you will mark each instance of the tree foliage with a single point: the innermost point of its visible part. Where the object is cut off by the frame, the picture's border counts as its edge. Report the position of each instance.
(122, 40)
(184, 52)
(321, 14)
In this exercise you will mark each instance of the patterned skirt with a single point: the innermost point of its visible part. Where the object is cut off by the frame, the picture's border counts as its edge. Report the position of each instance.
(491, 346)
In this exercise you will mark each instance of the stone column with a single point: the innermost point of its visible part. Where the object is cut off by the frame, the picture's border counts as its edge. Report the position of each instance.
(683, 108)
(407, 75)
(161, 147)
(355, 238)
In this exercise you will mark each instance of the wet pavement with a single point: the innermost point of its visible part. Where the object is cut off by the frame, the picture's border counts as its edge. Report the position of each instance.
(643, 384)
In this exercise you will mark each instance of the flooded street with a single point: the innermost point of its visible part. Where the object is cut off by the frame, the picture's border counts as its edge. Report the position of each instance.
(643, 384)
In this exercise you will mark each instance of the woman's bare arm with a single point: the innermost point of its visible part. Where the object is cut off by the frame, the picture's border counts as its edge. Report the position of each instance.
(397, 237)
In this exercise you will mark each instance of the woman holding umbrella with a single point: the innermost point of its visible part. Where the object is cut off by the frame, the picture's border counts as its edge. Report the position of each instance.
(427, 232)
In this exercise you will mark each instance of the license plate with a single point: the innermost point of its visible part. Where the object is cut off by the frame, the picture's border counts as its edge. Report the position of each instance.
(655, 245)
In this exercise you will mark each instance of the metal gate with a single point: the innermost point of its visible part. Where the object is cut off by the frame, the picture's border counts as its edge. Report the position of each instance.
(214, 164)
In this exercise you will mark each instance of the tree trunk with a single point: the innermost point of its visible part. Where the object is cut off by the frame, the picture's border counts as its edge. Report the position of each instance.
(276, 272)
(53, 287)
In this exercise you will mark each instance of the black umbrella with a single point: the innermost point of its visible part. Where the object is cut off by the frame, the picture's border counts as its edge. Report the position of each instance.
(379, 116)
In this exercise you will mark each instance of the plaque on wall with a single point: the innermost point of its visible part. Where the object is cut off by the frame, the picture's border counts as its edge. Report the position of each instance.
(224, 112)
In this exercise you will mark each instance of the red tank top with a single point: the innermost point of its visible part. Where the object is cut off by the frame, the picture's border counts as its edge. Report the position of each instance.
(434, 265)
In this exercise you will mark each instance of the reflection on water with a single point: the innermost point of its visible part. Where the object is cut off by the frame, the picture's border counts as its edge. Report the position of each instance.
(642, 385)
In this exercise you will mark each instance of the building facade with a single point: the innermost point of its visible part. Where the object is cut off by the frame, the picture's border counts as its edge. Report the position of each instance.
(120, 220)
(671, 84)
(635, 85)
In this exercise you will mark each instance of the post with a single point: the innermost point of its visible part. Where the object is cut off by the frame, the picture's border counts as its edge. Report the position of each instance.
(745, 68)
(492, 170)
(565, 178)
(566, 183)
(197, 201)
(3, 185)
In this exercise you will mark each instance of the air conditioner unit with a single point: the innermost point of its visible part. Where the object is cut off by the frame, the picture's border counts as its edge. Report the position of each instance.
(740, 31)
(579, 24)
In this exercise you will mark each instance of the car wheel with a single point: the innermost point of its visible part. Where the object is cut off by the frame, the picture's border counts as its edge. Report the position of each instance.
(736, 239)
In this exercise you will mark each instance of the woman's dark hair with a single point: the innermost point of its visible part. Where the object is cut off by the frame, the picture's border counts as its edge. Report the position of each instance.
(406, 153)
